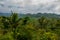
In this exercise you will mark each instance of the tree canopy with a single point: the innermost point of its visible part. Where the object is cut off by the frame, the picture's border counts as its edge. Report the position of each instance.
(28, 28)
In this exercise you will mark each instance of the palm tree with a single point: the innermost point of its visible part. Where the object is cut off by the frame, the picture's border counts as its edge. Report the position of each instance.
(43, 22)
(11, 22)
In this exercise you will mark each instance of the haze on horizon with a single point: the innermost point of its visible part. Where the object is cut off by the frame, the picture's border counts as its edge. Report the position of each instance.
(30, 6)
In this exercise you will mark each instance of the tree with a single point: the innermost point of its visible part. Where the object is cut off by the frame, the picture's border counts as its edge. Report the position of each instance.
(11, 22)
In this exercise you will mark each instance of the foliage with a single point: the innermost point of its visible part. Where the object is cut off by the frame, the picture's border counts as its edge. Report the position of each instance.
(28, 28)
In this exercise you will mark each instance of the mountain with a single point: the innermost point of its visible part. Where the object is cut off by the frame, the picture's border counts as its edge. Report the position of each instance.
(38, 15)
(5, 14)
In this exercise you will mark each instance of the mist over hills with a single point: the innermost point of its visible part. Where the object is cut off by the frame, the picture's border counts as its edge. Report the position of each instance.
(38, 15)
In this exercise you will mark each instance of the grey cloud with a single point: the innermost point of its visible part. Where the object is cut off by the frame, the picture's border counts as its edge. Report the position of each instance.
(1, 0)
(28, 7)
(2, 5)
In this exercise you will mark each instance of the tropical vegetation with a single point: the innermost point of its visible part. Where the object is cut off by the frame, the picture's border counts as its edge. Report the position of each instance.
(29, 28)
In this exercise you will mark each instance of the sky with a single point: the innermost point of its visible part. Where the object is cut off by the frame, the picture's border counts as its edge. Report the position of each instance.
(30, 6)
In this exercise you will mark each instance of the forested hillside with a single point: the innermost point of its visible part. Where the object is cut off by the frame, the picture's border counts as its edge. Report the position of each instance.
(37, 15)
(30, 27)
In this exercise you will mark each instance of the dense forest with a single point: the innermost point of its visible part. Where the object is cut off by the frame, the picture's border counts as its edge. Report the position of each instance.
(30, 27)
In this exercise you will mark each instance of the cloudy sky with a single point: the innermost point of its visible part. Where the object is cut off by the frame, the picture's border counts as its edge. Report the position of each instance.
(30, 6)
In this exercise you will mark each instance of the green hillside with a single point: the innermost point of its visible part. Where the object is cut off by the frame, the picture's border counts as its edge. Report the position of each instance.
(29, 26)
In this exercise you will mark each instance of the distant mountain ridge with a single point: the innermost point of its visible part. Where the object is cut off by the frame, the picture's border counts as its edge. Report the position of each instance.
(5, 14)
(49, 15)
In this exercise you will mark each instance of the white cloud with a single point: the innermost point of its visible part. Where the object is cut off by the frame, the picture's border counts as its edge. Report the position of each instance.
(42, 1)
(31, 6)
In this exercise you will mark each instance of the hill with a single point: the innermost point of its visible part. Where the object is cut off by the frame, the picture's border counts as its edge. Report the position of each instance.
(38, 15)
